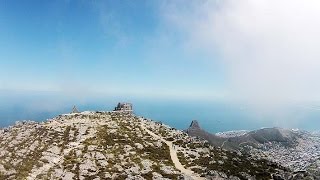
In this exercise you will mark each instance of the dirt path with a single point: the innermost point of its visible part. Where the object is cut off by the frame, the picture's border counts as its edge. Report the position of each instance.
(174, 156)
(223, 143)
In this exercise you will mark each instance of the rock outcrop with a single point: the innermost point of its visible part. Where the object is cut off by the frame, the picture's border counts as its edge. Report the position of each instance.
(194, 125)
(196, 131)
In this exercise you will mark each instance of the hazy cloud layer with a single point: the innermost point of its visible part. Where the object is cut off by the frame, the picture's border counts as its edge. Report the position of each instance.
(270, 49)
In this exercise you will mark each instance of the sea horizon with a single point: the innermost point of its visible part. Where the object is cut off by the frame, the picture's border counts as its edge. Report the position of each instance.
(213, 116)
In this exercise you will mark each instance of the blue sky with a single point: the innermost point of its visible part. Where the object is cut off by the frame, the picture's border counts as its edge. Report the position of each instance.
(107, 47)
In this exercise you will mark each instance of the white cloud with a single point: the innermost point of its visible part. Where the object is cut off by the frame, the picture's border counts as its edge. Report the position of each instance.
(269, 48)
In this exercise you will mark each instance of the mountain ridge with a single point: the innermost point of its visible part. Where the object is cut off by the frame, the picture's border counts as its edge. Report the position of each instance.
(119, 145)
(254, 137)
(294, 149)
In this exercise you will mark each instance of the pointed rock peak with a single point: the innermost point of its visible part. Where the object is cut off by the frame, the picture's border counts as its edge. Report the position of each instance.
(194, 124)
(74, 110)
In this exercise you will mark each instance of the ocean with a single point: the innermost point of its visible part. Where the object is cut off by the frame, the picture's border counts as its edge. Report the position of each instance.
(212, 116)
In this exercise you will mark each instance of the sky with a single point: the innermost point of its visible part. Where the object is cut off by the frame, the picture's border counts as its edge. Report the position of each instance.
(107, 47)
(258, 54)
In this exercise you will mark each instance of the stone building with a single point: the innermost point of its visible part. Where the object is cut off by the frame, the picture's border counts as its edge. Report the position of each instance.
(127, 107)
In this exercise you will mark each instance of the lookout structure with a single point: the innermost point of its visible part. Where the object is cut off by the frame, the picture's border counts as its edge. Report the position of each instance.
(126, 107)
(74, 110)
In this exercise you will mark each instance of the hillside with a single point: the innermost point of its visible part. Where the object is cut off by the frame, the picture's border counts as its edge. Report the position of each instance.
(118, 145)
(252, 138)
(297, 150)
(86, 145)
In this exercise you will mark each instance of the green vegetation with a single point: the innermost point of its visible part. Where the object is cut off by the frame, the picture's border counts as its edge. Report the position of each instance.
(233, 164)
(65, 138)
(32, 158)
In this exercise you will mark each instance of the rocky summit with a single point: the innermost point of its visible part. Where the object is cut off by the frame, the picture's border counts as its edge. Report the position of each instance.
(120, 145)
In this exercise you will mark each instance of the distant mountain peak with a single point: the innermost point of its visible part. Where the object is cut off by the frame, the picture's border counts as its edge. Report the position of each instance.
(194, 125)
